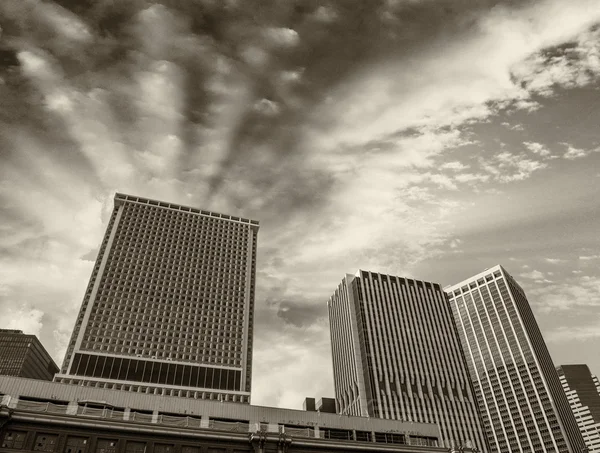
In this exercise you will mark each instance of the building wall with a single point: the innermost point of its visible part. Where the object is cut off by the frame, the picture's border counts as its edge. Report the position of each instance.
(397, 355)
(23, 355)
(170, 302)
(583, 393)
(42, 415)
(517, 388)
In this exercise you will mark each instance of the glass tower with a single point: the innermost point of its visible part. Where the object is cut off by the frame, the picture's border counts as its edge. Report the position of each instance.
(583, 392)
(396, 355)
(170, 303)
(523, 405)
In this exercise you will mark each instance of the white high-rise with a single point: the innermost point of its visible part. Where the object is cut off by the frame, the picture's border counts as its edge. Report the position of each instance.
(523, 405)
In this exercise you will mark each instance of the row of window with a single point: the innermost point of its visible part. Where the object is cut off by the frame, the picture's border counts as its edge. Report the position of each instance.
(49, 442)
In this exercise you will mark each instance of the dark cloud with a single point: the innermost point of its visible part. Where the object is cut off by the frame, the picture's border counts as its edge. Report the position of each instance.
(302, 313)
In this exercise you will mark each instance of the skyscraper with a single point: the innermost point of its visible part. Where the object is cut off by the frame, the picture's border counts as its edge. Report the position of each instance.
(583, 392)
(396, 355)
(169, 306)
(523, 405)
(23, 355)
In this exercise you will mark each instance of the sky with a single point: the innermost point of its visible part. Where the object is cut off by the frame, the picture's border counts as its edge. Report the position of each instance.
(429, 139)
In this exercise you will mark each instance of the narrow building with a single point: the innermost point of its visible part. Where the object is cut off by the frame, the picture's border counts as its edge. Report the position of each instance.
(523, 405)
(396, 355)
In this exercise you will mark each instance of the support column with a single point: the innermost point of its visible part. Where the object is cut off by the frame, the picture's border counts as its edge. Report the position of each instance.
(72, 408)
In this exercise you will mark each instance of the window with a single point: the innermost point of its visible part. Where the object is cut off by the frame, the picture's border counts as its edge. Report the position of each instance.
(45, 442)
(106, 446)
(76, 444)
(136, 447)
(164, 448)
(14, 439)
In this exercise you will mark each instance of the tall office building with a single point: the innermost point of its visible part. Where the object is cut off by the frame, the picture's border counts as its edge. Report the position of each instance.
(169, 306)
(396, 355)
(24, 356)
(523, 405)
(583, 392)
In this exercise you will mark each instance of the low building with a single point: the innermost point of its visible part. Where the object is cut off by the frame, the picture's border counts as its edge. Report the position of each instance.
(326, 405)
(24, 356)
(583, 392)
(55, 417)
(323, 405)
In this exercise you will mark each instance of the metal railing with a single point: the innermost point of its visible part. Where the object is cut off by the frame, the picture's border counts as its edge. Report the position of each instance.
(218, 425)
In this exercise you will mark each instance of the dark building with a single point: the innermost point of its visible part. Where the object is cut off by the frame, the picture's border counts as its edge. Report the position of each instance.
(309, 404)
(583, 392)
(522, 402)
(396, 355)
(169, 307)
(326, 405)
(54, 417)
(23, 355)
(323, 405)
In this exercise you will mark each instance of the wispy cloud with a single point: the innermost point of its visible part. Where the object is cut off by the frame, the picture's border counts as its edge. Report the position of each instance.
(567, 334)
(537, 148)
(578, 292)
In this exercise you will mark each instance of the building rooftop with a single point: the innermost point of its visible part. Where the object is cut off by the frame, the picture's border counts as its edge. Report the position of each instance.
(121, 198)
(27, 394)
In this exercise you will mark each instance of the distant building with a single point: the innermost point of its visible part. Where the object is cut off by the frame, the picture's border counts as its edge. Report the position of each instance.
(396, 355)
(323, 405)
(169, 307)
(326, 405)
(54, 417)
(583, 392)
(523, 405)
(309, 404)
(23, 355)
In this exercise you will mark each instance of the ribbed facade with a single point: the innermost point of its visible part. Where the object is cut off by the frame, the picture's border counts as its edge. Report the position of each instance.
(24, 356)
(169, 306)
(396, 355)
(583, 392)
(523, 405)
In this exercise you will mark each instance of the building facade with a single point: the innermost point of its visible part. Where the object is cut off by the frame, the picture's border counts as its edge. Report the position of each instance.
(169, 307)
(583, 392)
(396, 355)
(61, 418)
(23, 355)
(523, 405)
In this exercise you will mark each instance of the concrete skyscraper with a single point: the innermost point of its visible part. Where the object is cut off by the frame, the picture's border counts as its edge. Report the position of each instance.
(396, 355)
(170, 303)
(523, 405)
(583, 392)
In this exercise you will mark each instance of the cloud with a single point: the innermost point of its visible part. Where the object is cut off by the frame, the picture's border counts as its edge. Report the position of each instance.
(554, 260)
(24, 318)
(574, 333)
(307, 117)
(577, 153)
(574, 153)
(537, 148)
(574, 64)
(454, 166)
(534, 275)
(589, 257)
(581, 291)
(508, 167)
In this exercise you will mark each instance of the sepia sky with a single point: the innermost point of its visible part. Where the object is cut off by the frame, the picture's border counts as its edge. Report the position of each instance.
(422, 138)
